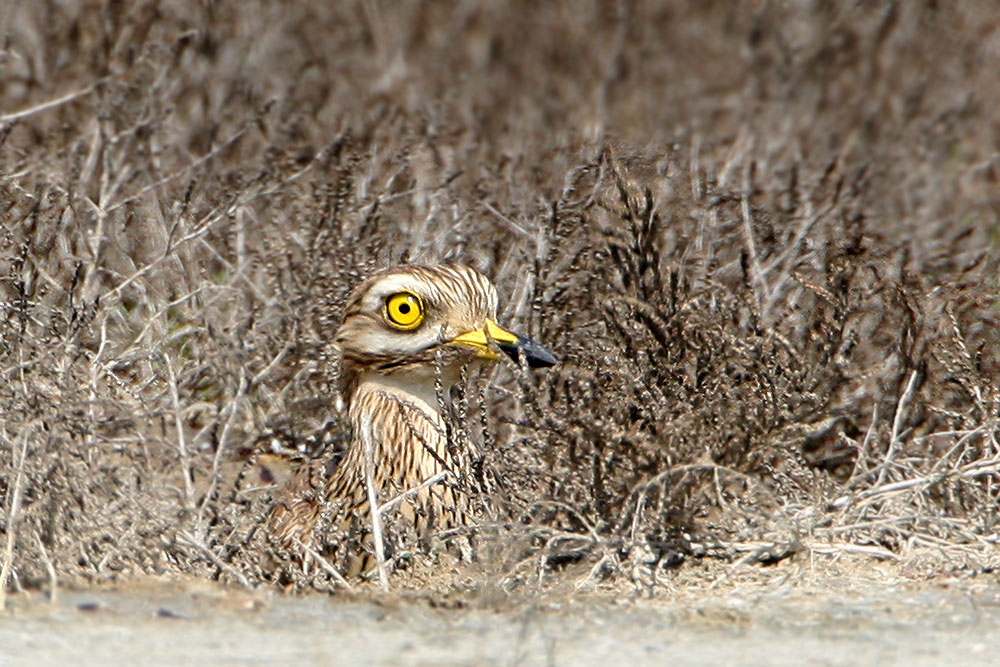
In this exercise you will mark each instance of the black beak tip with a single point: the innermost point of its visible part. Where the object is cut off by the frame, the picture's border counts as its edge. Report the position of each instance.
(536, 354)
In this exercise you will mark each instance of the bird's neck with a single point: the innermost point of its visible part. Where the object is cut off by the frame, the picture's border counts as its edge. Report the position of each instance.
(401, 416)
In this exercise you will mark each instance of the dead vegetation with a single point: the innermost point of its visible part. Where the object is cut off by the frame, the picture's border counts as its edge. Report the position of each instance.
(762, 239)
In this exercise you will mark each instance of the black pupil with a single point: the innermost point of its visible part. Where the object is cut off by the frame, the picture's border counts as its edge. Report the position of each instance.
(404, 308)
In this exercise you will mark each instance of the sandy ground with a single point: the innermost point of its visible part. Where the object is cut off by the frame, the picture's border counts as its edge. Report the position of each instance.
(848, 622)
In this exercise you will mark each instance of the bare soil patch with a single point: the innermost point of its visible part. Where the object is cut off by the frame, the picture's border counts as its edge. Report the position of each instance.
(843, 616)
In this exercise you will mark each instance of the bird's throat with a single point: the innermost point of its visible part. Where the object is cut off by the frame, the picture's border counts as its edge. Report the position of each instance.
(416, 390)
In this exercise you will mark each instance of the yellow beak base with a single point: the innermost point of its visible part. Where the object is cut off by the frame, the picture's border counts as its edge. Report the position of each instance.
(480, 339)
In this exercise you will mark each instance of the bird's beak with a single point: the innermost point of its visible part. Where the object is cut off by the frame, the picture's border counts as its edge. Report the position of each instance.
(513, 345)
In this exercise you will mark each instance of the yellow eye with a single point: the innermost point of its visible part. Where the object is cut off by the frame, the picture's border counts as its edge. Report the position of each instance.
(404, 310)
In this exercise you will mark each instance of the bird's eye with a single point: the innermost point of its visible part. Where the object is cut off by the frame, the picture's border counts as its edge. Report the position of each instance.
(404, 310)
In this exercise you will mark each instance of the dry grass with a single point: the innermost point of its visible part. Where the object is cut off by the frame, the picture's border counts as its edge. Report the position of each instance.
(763, 239)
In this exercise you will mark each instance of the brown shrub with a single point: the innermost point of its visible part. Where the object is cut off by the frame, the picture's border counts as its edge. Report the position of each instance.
(763, 239)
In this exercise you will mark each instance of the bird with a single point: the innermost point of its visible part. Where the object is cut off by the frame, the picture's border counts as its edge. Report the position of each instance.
(406, 336)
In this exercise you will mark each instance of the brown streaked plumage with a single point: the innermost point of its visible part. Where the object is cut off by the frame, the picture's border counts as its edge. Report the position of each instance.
(406, 335)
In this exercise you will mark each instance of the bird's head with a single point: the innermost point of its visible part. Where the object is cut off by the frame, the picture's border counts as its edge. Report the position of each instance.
(409, 318)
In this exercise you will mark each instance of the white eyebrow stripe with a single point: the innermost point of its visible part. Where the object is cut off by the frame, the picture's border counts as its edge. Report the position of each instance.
(442, 285)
